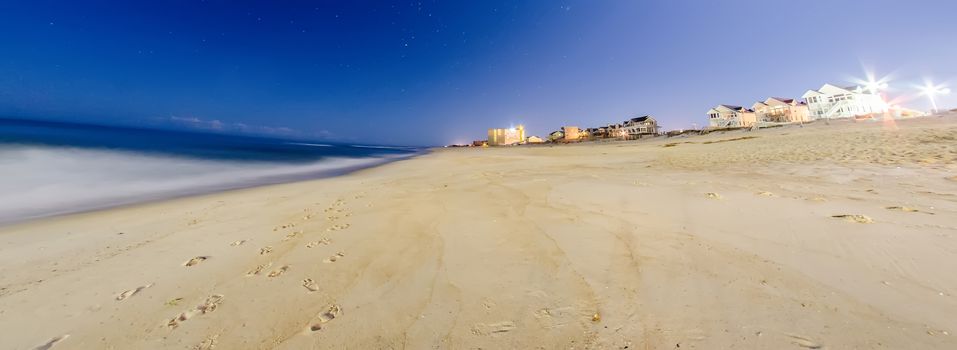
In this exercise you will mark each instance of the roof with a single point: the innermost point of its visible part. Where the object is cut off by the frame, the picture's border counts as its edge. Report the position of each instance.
(785, 100)
(831, 89)
(641, 119)
(736, 108)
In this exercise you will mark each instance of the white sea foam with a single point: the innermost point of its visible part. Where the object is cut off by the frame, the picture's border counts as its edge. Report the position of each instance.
(309, 144)
(42, 181)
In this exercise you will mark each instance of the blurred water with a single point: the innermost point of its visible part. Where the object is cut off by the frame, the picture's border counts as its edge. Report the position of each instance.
(49, 168)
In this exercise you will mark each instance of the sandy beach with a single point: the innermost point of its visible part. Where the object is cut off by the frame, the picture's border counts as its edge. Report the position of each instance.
(839, 236)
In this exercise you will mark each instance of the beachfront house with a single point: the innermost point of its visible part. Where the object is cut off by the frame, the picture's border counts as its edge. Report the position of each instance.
(781, 110)
(615, 130)
(831, 102)
(556, 136)
(640, 127)
(504, 137)
(596, 133)
(728, 116)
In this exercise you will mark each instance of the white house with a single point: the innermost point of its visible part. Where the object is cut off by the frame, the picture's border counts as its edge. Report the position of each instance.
(642, 126)
(781, 110)
(727, 116)
(830, 102)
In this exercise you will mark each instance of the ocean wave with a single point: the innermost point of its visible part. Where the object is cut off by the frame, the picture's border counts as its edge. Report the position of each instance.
(40, 181)
(309, 144)
(383, 147)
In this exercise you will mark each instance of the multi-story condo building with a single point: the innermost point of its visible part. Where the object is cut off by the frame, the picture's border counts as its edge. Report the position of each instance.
(727, 116)
(830, 102)
(781, 110)
(571, 134)
(503, 137)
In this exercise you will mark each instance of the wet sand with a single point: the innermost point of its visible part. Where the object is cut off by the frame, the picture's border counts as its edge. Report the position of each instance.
(823, 236)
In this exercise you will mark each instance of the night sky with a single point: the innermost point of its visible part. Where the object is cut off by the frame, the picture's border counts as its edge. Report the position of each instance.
(429, 73)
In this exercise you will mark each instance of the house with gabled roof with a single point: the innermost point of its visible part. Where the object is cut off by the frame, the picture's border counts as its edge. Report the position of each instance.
(729, 116)
(781, 110)
(640, 127)
(832, 101)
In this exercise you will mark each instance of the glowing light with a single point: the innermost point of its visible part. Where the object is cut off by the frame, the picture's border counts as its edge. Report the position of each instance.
(875, 86)
(931, 91)
(872, 84)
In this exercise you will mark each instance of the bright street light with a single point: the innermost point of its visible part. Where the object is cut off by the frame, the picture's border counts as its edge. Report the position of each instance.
(932, 90)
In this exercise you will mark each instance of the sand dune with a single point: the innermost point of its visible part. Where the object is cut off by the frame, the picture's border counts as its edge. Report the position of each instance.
(823, 236)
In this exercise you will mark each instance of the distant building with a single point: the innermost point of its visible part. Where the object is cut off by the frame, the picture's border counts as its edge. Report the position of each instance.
(479, 143)
(781, 110)
(597, 133)
(503, 137)
(534, 139)
(727, 116)
(615, 131)
(571, 134)
(638, 127)
(556, 136)
(831, 102)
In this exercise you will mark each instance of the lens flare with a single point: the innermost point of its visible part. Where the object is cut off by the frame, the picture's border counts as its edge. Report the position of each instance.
(931, 90)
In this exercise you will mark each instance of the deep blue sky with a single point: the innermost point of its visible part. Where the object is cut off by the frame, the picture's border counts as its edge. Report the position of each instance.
(426, 73)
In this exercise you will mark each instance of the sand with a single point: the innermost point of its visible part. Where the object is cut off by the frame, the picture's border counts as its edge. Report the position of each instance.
(835, 236)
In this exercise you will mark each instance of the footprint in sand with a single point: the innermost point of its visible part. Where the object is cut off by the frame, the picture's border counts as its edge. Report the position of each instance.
(907, 209)
(338, 227)
(129, 293)
(279, 272)
(258, 269)
(860, 219)
(766, 194)
(50, 343)
(313, 244)
(292, 235)
(239, 242)
(209, 305)
(334, 258)
(311, 285)
(308, 216)
(282, 227)
(208, 344)
(713, 195)
(804, 342)
(558, 317)
(330, 313)
(195, 261)
(494, 329)
(265, 250)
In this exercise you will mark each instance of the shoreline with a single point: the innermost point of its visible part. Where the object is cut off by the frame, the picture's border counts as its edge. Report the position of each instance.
(109, 204)
(794, 238)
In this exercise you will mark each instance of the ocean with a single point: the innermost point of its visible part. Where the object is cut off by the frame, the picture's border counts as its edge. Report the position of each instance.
(52, 168)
